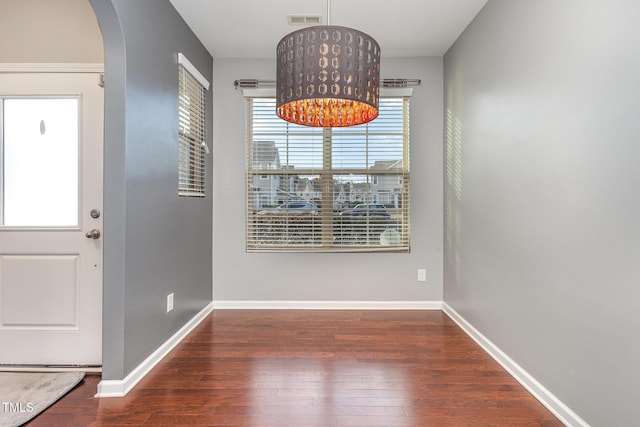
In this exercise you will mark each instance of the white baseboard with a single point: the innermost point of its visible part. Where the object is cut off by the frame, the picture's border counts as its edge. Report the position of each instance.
(328, 305)
(548, 399)
(119, 388)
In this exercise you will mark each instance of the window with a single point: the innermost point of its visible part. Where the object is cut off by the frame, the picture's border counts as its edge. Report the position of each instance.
(39, 156)
(191, 129)
(319, 194)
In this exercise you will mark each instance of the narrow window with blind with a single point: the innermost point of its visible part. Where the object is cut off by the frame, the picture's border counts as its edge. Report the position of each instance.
(328, 189)
(191, 130)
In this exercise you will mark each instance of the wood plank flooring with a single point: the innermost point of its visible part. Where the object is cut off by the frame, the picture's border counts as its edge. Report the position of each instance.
(315, 368)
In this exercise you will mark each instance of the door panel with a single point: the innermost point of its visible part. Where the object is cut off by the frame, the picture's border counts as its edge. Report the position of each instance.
(50, 272)
(54, 279)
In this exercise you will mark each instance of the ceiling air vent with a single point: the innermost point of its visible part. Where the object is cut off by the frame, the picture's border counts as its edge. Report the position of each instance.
(304, 19)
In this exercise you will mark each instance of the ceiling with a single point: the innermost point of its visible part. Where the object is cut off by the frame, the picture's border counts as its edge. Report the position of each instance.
(402, 28)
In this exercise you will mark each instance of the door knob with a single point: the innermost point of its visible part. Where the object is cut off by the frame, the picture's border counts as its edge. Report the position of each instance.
(93, 234)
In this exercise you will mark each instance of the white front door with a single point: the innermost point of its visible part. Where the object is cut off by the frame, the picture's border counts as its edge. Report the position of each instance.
(51, 131)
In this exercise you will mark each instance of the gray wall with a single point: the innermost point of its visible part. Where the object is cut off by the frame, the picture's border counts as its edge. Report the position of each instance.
(240, 276)
(541, 194)
(155, 243)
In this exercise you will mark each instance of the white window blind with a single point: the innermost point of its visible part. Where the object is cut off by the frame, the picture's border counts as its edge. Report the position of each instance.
(332, 189)
(191, 132)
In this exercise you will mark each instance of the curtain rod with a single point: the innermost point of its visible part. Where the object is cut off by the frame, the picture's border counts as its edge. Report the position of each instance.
(254, 83)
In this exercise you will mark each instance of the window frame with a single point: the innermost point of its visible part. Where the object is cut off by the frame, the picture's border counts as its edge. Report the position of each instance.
(326, 222)
(192, 116)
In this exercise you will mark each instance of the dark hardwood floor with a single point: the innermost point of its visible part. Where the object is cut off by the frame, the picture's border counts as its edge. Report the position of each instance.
(315, 368)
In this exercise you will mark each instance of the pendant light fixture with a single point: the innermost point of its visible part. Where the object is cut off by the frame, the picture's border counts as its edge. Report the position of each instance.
(327, 76)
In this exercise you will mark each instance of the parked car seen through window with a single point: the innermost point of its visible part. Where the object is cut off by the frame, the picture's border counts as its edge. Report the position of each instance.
(292, 208)
(367, 210)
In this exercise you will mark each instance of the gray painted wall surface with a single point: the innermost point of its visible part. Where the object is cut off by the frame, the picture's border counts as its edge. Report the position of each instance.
(322, 276)
(155, 243)
(541, 194)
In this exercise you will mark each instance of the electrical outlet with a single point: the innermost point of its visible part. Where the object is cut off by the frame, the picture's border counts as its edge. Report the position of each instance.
(169, 302)
(422, 275)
